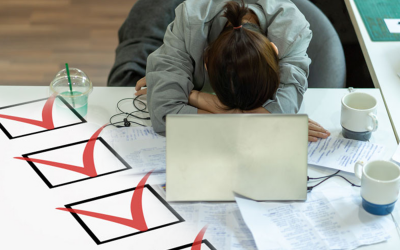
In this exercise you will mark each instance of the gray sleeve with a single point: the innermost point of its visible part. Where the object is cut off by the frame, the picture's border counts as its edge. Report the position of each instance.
(290, 31)
(169, 73)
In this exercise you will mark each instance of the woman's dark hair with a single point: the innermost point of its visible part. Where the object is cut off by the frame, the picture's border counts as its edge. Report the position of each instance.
(242, 64)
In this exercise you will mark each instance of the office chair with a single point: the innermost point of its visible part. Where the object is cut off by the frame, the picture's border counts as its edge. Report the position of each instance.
(328, 66)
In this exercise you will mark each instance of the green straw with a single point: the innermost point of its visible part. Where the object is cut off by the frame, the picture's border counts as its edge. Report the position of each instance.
(70, 84)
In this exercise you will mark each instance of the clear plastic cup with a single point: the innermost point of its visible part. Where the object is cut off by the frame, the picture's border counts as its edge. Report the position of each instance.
(81, 88)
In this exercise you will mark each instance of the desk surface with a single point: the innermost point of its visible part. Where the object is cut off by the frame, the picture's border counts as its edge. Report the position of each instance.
(322, 105)
(383, 60)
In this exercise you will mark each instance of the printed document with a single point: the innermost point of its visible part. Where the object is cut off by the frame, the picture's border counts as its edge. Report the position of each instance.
(341, 153)
(141, 147)
(332, 218)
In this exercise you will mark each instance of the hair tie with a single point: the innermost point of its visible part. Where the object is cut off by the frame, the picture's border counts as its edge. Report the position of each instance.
(238, 27)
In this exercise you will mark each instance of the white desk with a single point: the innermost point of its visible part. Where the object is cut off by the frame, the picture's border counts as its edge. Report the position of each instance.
(20, 216)
(383, 60)
(323, 106)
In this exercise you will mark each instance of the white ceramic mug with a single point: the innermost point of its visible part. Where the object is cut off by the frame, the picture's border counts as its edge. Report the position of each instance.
(359, 116)
(380, 183)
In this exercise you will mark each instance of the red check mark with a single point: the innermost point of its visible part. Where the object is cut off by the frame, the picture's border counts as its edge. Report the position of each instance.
(47, 115)
(137, 222)
(88, 168)
(199, 238)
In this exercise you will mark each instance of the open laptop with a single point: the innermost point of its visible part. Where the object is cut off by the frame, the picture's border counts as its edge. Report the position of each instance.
(259, 156)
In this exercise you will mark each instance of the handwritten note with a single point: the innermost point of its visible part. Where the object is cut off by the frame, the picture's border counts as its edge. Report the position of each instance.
(330, 219)
(342, 154)
(226, 228)
(141, 148)
(132, 134)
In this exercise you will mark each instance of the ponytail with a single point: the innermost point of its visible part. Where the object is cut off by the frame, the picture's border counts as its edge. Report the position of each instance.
(235, 12)
(242, 64)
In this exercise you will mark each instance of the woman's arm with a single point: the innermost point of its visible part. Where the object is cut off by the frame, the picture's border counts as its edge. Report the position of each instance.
(169, 73)
(204, 101)
(209, 104)
(288, 29)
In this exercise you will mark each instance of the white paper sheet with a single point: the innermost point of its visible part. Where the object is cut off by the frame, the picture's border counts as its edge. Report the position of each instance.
(140, 147)
(393, 25)
(331, 218)
(226, 228)
(341, 153)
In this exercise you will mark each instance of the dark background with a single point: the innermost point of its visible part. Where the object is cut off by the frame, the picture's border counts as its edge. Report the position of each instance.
(357, 71)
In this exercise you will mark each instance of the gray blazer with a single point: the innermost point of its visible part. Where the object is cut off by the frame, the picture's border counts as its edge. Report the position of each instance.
(177, 67)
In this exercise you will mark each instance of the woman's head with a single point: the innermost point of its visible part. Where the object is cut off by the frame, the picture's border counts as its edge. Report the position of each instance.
(242, 63)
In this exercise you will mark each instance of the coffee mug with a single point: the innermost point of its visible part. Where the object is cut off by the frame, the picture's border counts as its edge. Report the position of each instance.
(358, 117)
(380, 183)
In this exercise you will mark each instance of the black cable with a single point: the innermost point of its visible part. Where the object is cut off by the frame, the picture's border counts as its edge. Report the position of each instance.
(113, 124)
(309, 178)
(310, 188)
(354, 185)
(145, 106)
(138, 110)
(127, 122)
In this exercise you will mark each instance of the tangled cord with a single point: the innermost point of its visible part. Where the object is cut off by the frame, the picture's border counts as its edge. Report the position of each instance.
(127, 122)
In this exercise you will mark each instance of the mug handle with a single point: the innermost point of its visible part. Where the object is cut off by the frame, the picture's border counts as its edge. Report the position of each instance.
(358, 169)
(375, 121)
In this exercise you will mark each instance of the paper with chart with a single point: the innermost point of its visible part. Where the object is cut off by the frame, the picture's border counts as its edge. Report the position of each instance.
(141, 147)
(330, 219)
(341, 153)
(226, 228)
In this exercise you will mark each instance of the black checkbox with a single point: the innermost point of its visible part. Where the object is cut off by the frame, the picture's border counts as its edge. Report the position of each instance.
(204, 244)
(13, 133)
(160, 206)
(50, 179)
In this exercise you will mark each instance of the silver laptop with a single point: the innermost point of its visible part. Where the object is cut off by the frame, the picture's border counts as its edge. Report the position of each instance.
(259, 156)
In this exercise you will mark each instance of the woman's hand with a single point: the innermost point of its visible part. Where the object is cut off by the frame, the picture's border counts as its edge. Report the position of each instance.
(316, 131)
(139, 85)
